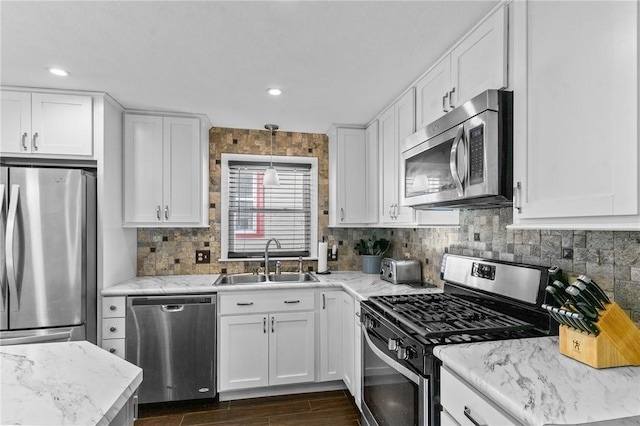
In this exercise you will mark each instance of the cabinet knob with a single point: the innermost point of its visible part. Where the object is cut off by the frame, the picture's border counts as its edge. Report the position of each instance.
(112, 350)
(112, 307)
(112, 329)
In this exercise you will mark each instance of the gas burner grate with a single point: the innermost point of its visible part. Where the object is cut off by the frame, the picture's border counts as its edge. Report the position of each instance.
(441, 315)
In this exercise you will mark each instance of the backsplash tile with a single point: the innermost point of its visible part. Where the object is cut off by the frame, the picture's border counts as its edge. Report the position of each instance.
(611, 258)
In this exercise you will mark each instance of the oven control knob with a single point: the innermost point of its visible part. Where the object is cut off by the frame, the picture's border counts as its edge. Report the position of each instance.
(393, 344)
(405, 352)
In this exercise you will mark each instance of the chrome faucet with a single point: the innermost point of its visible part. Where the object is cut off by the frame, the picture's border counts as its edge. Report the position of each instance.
(266, 255)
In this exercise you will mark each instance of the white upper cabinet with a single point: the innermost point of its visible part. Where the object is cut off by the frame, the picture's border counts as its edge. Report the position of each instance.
(477, 63)
(353, 184)
(166, 171)
(576, 115)
(432, 93)
(395, 124)
(47, 125)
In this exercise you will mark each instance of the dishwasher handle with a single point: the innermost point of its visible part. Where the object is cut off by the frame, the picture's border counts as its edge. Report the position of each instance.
(172, 308)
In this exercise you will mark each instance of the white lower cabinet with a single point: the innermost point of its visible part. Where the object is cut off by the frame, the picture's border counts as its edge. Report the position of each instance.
(466, 405)
(113, 325)
(258, 349)
(330, 329)
(348, 344)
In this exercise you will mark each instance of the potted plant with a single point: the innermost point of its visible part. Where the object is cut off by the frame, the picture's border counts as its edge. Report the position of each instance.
(372, 252)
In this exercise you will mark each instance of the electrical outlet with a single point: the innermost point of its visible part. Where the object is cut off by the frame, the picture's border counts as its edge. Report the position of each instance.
(476, 236)
(332, 257)
(203, 256)
(407, 255)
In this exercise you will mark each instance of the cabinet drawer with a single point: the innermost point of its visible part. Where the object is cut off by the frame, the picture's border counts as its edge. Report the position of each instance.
(113, 328)
(463, 402)
(115, 346)
(113, 307)
(252, 302)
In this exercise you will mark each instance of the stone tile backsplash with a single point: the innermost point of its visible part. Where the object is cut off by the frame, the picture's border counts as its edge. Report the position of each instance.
(611, 258)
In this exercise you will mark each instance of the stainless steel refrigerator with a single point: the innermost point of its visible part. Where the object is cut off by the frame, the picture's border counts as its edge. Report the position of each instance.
(47, 254)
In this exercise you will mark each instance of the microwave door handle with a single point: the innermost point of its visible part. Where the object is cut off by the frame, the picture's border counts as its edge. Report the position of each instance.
(453, 160)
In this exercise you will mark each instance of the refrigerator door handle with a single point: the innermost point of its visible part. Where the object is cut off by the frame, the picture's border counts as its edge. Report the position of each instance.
(54, 337)
(1, 224)
(11, 225)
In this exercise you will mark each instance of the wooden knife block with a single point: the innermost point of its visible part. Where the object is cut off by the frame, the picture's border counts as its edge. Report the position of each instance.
(618, 343)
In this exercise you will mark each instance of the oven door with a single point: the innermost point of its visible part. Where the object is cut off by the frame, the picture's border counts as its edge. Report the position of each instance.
(392, 395)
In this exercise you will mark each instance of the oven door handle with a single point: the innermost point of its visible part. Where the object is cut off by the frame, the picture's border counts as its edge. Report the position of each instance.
(390, 361)
(456, 150)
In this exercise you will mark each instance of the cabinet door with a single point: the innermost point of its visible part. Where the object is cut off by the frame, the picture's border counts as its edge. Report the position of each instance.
(61, 124)
(243, 350)
(331, 335)
(352, 159)
(348, 341)
(181, 170)
(405, 118)
(143, 169)
(431, 90)
(388, 157)
(576, 112)
(291, 348)
(15, 122)
(479, 62)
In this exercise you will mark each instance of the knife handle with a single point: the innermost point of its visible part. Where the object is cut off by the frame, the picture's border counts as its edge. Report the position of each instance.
(555, 273)
(594, 288)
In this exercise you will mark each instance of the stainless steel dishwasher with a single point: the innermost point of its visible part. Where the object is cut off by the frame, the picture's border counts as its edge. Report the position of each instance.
(173, 340)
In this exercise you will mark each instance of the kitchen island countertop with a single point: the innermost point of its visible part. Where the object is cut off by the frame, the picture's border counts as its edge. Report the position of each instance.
(357, 284)
(533, 382)
(63, 383)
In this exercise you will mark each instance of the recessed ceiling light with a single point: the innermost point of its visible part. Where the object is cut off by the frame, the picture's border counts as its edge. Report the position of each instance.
(274, 92)
(59, 72)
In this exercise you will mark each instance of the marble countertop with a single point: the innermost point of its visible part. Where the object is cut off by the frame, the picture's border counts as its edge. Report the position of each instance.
(532, 381)
(356, 283)
(75, 383)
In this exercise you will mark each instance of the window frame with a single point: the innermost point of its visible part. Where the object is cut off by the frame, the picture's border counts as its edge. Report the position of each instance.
(224, 202)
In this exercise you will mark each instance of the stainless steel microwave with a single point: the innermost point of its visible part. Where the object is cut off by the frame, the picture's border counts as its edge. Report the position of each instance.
(464, 159)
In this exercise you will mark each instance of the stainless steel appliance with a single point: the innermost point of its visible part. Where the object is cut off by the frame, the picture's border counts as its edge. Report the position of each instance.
(48, 254)
(482, 300)
(401, 271)
(173, 340)
(464, 159)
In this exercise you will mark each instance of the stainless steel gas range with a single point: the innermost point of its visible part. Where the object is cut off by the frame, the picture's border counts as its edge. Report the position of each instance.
(482, 300)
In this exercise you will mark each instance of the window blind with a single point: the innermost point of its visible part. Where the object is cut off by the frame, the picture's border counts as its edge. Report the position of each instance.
(257, 214)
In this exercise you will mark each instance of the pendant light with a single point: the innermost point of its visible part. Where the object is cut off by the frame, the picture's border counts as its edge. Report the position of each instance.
(271, 175)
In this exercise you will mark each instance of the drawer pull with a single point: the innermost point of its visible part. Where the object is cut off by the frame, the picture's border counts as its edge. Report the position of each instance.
(467, 414)
(112, 307)
(112, 329)
(244, 303)
(112, 350)
(291, 301)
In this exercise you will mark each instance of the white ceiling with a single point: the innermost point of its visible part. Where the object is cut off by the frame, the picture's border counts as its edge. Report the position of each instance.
(336, 61)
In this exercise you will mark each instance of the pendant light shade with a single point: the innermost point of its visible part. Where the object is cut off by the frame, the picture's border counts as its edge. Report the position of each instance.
(271, 175)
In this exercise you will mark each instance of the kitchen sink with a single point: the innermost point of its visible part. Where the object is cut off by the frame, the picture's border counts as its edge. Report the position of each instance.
(290, 277)
(234, 279)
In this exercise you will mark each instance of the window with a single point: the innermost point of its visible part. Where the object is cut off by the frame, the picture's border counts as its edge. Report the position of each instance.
(252, 214)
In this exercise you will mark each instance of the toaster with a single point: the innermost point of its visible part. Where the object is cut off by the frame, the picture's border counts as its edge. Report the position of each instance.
(401, 271)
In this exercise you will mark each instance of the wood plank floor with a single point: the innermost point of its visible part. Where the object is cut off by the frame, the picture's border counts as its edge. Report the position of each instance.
(335, 408)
